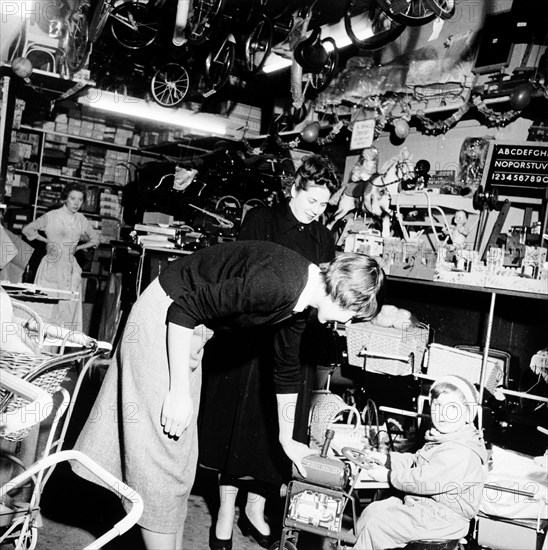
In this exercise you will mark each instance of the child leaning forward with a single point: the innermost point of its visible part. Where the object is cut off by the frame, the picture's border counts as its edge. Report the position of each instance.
(441, 484)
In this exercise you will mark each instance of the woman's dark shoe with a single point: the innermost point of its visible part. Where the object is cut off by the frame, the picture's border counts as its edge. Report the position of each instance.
(247, 529)
(218, 544)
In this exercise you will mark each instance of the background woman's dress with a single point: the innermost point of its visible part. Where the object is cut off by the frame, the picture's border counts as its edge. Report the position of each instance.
(243, 441)
(59, 269)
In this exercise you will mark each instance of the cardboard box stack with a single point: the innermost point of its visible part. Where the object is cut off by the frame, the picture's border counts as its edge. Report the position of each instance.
(17, 187)
(110, 204)
(23, 151)
(50, 193)
(96, 128)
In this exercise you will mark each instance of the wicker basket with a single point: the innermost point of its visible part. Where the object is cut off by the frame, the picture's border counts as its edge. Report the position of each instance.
(387, 341)
(445, 360)
(23, 366)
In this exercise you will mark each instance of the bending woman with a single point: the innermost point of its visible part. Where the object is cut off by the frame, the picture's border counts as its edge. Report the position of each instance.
(154, 385)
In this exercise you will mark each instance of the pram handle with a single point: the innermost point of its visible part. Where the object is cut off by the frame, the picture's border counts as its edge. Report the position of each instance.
(59, 335)
(39, 408)
(113, 483)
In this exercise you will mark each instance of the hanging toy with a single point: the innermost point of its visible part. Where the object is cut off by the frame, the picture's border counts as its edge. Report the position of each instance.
(22, 68)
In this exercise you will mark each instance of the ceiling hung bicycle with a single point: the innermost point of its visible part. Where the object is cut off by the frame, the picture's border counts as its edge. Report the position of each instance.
(242, 43)
(314, 63)
(173, 79)
(194, 22)
(134, 24)
(225, 47)
(372, 24)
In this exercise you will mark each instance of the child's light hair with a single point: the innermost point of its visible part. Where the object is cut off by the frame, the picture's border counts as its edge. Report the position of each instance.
(354, 282)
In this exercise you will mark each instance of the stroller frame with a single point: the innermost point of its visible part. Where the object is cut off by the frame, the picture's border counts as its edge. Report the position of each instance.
(28, 383)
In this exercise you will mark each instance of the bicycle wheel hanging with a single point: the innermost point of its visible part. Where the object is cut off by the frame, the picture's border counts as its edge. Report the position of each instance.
(78, 44)
(200, 23)
(99, 20)
(219, 64)
(320, 81)
(170, 84)
(258, 45)
(444, 9)
(134, 25)
(407, 12)
(368, 27)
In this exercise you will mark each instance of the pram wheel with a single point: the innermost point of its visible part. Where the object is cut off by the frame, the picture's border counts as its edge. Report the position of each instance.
(29, 539)
(287, 546)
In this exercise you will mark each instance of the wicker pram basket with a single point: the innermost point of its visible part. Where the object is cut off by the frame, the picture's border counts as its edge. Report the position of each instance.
(386, 341)
(43, 370)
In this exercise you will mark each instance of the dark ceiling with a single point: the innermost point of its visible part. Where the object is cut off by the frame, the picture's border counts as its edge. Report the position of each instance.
(114, 67)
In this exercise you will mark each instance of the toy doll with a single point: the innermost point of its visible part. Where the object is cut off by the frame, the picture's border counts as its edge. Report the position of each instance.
(460, 231)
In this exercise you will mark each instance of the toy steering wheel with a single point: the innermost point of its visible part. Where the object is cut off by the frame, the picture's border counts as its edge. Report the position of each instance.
(359, 458)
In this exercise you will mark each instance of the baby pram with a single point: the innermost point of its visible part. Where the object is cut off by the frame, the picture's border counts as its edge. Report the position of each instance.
(31, 393)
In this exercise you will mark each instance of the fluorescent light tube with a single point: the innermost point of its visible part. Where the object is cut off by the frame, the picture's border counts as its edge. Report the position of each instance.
(139, 108)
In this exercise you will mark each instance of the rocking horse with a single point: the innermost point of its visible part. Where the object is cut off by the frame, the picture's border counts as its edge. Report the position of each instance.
(371, 193)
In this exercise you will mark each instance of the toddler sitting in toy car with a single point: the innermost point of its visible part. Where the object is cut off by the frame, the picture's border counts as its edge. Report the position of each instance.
(440, 485)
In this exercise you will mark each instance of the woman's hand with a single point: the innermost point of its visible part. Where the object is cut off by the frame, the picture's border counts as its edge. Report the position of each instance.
(296, 452)
(176, 413)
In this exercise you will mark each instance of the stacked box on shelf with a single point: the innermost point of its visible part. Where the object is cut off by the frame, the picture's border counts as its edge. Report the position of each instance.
(55, 146)
(92, 199)
(50, 194)
(111, 204)
(61, 123)
(48, 126)
(98, 131)
(114, 171)
(18, 152)
(74, 126)
(124, 134)
(17, 187)
(55, 153)
(18, 113)
(74, 163)
(110, 132)
(29, 138)
(12, 180)
(93, 164)
(150, 138)
(86, 127)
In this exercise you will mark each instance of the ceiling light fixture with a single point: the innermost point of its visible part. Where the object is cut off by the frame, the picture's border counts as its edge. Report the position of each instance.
(139, 108)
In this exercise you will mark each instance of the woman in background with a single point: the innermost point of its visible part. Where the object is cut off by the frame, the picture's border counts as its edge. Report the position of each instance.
(243, 444)
(64, 231)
